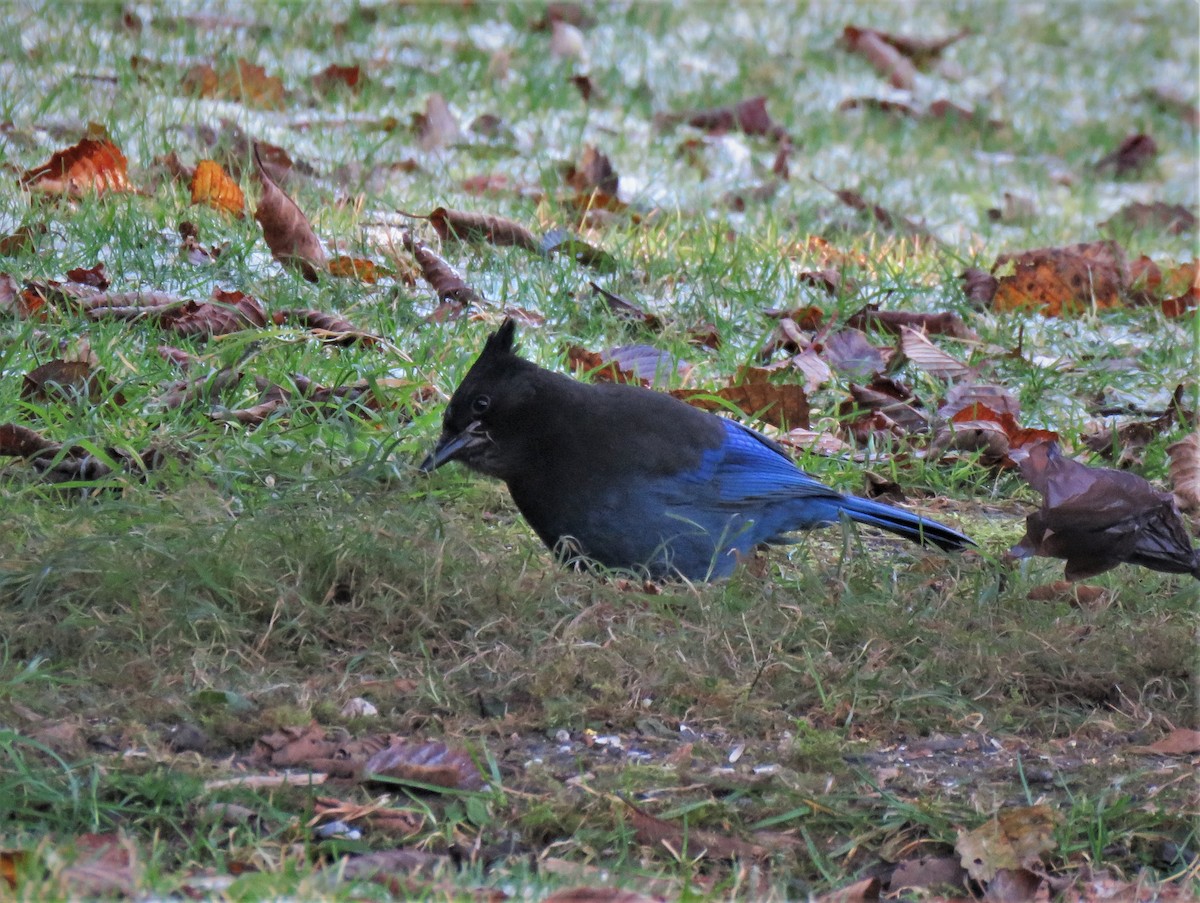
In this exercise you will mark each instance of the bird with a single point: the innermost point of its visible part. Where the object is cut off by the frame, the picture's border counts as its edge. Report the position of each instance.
(635, 480)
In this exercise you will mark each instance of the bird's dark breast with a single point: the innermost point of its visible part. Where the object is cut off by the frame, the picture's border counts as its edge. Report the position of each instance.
(594, 473)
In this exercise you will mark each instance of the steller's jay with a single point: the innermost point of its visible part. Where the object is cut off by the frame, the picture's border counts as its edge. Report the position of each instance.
(635, 479)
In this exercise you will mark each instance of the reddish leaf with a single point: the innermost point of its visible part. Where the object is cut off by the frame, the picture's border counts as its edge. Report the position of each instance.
(1131, 156)
(285, 227)
(241, 81)
(894, 321)
(882, 216)
(449, 286)
(886, 59)
(1097, 518)
(594, 172)
(979, 286)
(924, 49)
(21, 241)
(334, 76)
(460, 225)
(91, 166)
(1180, 742)
(600, 368)
(331, 328)
(228, 312)
(90, 276)
(749, 116)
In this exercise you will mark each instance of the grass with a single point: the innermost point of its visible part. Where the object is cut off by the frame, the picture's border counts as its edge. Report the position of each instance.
(265, 577)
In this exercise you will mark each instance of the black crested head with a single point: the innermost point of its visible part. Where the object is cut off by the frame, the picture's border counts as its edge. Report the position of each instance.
(487, 409)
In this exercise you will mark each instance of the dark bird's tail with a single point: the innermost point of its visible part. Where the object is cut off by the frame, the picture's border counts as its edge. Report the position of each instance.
(902, 523)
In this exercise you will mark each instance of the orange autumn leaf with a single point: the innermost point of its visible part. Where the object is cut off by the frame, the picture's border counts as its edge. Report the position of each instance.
(242, 81)
(356, 268)
(213, 186)
(1181, 286)
(1061, 281)
(93, 165)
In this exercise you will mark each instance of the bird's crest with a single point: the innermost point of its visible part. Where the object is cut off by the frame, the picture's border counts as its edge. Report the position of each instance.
(501, 341)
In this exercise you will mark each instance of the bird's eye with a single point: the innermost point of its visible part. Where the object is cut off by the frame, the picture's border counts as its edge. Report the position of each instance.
(480, 404)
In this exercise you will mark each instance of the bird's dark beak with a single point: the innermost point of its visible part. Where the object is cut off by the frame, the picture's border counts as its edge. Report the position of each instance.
(450, 446)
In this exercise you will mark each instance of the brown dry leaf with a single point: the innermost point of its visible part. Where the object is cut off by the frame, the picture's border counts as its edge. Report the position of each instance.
(1159, 216)
(334, 76)
(925, 49)
(93, 276)
(432, 762)
(330, 328)
(1077, 595)
(460, 225)
(285, 227)
(1181, 741)
(103, 867)
(563, 241)
(904, 419)
(681, 843)
(976, 427)
(205, 389)
(916, 346)
(62, 380)
(979, 286)
(332, 752)
(228, 312)
(1184, 279)
(241, 81)
(864, 891)
(599, 367)
(437, 127)
(887, 60)
(184, 360)
(894, 321)
(782, 405)
(1126, 442)
(18, 441)
(213, 186)
(1017, 886)
(598, 895)
(748, 116)
(1184, 457)
(627, 310)
(1015, 838)
(129, 305)
(21, 241)
(964, 395)
(594, 172)
(882, 216)
(850, 353)
(191, 249)
(935, 873)
(94, 165)
(398, 823)
(449, 286)
(1131, 156)
(1097, 518)
(1063, 280)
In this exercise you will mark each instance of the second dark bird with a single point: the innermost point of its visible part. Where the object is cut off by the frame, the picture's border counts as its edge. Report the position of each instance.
(635, 479)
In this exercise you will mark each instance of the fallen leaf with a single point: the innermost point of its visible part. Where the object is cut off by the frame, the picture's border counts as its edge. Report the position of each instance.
(627, 310)
(343, 267)
(1181, 741)
(562, 241)
(213, 186)
(782, 405)
(593, 172)
(864, 891)
(748, 116)
(21, 241)
(1060, 281)
(330, 328)
(432, 762)
(285, 227)
(103, 867)
(241, 81)
(915, 346)
(1131, 156)
(1184, 457)
(979, 286)
(849, 352)
(894, 321)
(228, 312)
(1097, 518)
(93, 166)
(93, 276)
(449, 286)
(887, 60)
(62, 380)
(334, 76)
(688, 844)
(1160, 217)
(459, 225)
(598, 895)
(922, 50)
(1014, 838)
(1077, 595)
(312, 747)
(934, 873)
(436, 127)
